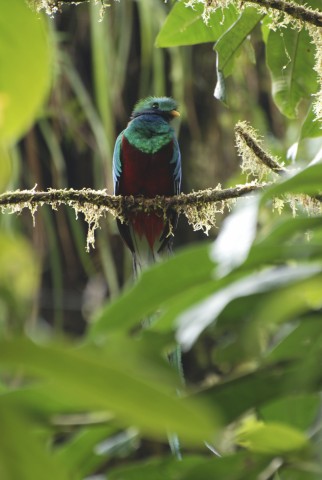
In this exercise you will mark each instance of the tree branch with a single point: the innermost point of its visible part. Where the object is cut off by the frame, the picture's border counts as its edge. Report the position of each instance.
(123, 205)
(249, 137)
(299, 12)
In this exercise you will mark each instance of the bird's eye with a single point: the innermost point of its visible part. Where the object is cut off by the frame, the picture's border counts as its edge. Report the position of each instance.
(155, 105)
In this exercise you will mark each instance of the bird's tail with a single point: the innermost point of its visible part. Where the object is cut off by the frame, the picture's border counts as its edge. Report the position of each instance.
(145, 255)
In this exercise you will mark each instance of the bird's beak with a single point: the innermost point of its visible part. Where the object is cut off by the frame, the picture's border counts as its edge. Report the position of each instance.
(174, 113)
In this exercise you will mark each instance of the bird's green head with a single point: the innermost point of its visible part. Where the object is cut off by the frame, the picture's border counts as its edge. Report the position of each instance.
(164, 106)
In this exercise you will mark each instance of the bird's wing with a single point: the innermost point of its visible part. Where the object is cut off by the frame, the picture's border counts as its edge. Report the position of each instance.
(117, 163)
(176, 161)
(171, 224)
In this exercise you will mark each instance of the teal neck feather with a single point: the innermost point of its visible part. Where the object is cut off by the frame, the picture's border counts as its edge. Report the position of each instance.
(149, 133)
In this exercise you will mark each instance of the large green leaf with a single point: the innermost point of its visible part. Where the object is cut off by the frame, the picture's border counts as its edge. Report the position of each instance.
(228, 45)
(290, 58)
(194, 321)
(155, 287)
(299, 411)
(271, 438)
(25, 58)
(95, 380)
(184, 25)
(22, 456)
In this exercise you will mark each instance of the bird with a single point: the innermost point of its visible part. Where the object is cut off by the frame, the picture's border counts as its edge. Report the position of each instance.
(147, 162)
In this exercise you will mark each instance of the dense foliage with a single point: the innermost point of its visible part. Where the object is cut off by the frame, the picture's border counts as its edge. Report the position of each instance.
(244, 308)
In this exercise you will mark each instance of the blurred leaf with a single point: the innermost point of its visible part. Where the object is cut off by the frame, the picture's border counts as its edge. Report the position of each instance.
(232, 467)
(270, 438)
(230, 250)
(156, 469)
(25, 58)
(299, 411)
(290, 58)
(5, 167)
(188, 268)
(21, 453)
(302, 471)
(258, 388)
(307, 181)
(228, 45)
(84, 453)
(184, 25)
(295, 344)
(19, 277)
(192, 322)
(93, 381)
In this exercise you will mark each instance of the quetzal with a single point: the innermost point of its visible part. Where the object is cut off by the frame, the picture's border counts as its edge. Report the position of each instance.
(147, 162)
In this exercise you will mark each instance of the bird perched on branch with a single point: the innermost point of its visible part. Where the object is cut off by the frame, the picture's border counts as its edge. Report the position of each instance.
(147, 162)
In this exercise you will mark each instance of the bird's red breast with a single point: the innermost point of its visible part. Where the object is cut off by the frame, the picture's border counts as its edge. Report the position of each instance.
(148, 175)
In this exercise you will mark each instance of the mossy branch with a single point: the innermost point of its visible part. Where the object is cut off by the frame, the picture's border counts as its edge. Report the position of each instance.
(200, 208)
(119, 205)
(299, 12)
(244, 133)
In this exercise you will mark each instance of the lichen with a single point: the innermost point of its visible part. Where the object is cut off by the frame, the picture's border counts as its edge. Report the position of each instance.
(316, 35)
(251, 164)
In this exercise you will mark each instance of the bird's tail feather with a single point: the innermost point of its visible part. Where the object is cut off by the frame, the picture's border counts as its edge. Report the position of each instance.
(144, 256)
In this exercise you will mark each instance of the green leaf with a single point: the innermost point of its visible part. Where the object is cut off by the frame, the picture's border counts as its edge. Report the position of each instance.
(258, 388)
(184, 25)
(177, 274)
(312, 127)
(89, 448)
(270, 438)
(156, 469)
(95, 380)
(290, 59)
(307, 181)
(21, 453)
(25, 59)
(295, 344)
(194, 321)
(299, 411)
(228, 45)
(233, 467)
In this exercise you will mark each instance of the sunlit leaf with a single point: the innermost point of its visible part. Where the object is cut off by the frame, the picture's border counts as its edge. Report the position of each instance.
(25, 59)
(270, 438)
(185, 26)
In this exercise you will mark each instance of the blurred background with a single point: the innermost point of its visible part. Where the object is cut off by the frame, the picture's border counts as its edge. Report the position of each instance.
(102, 66)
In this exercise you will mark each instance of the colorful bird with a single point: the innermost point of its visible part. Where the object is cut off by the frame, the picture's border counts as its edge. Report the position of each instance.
(147, 162)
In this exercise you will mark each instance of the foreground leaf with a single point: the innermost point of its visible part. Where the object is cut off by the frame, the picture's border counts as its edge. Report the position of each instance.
(25, 59)
(95, 381)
